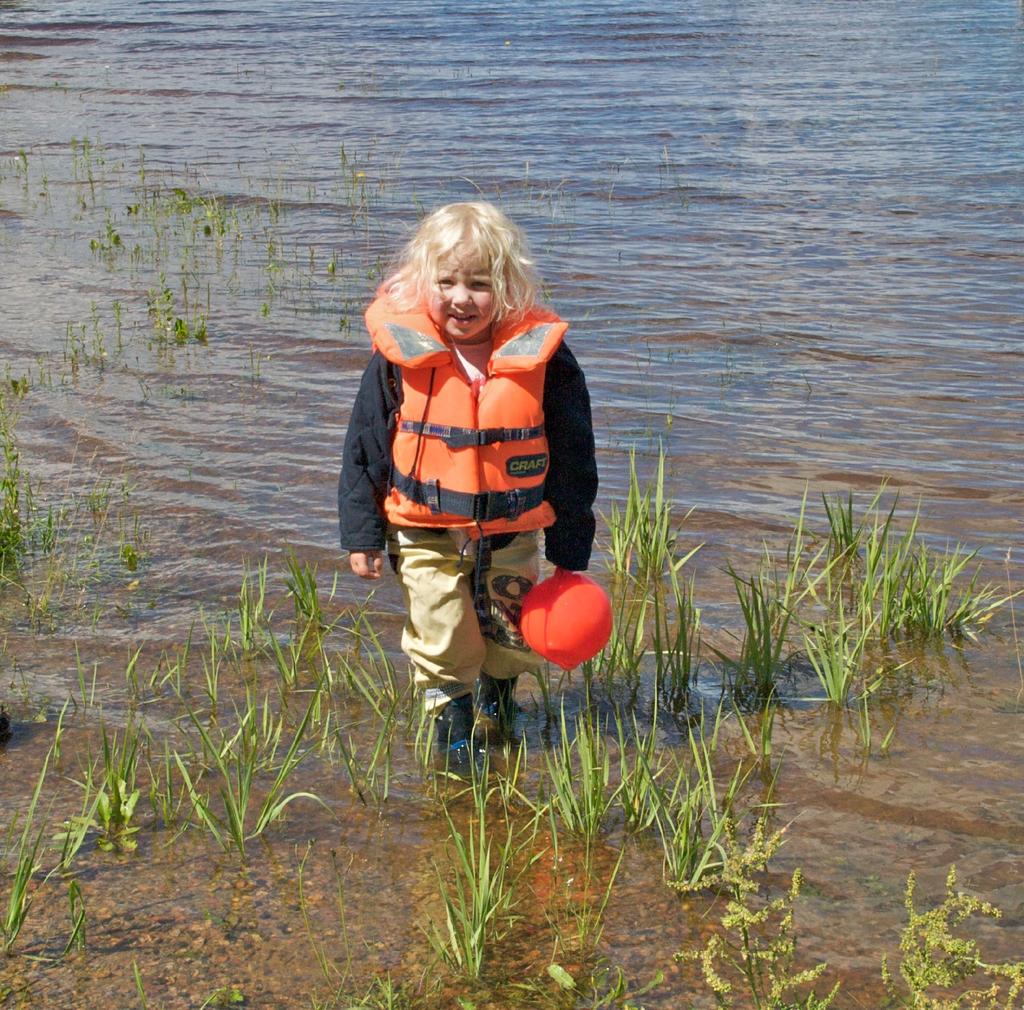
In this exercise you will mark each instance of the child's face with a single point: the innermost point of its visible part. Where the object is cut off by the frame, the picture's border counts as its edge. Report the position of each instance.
(462, 302)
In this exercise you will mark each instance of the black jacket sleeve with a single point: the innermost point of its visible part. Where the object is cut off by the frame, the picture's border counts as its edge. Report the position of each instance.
(366, 458)
(571, 484)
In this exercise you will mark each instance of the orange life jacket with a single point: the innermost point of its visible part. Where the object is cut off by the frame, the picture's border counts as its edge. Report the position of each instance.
(460, 461)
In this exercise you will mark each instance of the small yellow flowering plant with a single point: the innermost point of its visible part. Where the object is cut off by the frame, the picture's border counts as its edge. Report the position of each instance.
(933, 959)
(757, 945)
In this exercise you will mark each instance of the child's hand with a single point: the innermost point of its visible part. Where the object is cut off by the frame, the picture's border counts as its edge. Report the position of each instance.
(366, 564)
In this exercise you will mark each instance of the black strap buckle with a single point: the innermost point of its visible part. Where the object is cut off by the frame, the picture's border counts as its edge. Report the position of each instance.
(515, 504)
(481, 507)
(432, 494)
(488, 436)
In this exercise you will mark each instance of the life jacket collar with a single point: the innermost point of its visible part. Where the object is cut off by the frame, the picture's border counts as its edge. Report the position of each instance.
(412, 339)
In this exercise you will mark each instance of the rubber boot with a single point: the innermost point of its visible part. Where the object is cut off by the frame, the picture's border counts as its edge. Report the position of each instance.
(453, 734)
(496, 701)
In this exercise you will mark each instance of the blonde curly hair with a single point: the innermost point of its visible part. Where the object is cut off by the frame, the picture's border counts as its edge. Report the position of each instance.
(478, 230)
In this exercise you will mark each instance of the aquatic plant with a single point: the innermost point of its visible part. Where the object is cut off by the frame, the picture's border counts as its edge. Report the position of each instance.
(173, 670)
(642, 539)
(621, 660)
(370, 778)
(87, 160)
(941, 971)
(218, 648)
(601, 986)
(579, 776)
(384, 994)
(77, 916)
(693, 816)
(67, 560)
(579, 905)
(26, 866)
(835, 648)
(676, 641)
(846, 534)
(478, 893)
(139, 987)
(108, 244)
(236, 759)
(171, 326)
(12, 525)
(652, 620)
(865, 732)
(251, 609)
(302, 588)
(899, 583)
(1017, 651)
(366, 667)
(292, 655)
(118, 794)
(755, 950)
(256, 362)
(867, 581)
(223, 996)
(931, 602)
(130, 550)
(641, 767)
(769, 600)
(166, 791)
(131, 673)
(75, 829)
(767, 614)
(332, 974)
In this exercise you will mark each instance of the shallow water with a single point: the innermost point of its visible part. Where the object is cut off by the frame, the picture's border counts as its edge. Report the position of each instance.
(791, 251)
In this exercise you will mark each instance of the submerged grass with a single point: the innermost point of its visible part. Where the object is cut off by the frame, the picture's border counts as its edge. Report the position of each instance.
(835, 650)
(676, 641)
(578, 921)
(694, 814)
(579, 777)
(642, 539)
(252, 613)
(118, 794)
(370, 777)
(642, 766)
(26, 865)
(769, 601)
(236, 759)
(302, 587)
(235, 782)
(12, 534)
(478, 890)
(899, 583)
(833, 599)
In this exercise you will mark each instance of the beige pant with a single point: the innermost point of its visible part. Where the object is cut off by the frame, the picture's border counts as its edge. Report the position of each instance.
(443, 637)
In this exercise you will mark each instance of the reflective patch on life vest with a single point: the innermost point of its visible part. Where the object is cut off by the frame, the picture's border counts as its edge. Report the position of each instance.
(527, 466)
(527, 344)
(411, 342)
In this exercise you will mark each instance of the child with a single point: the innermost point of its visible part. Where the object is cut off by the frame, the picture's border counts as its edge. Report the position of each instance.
(470, 432)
